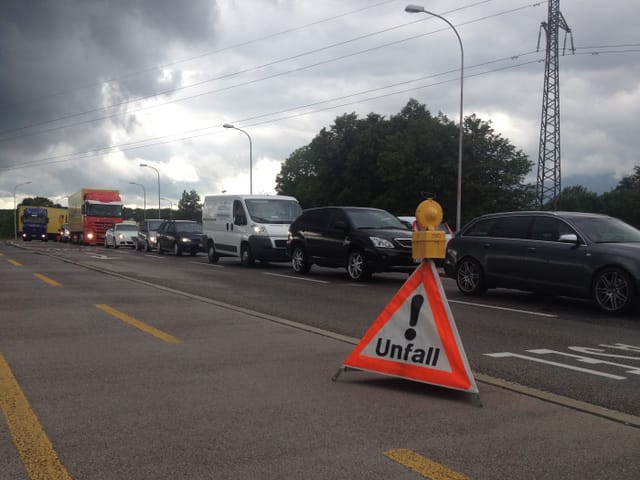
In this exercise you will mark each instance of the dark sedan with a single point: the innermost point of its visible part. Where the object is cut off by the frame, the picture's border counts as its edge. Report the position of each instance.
(572, 254)
(180, 236)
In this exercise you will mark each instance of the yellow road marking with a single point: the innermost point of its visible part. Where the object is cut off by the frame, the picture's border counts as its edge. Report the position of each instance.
(38, 456)
(46, 279)
(138, 324)
(422, 465)
(14, 262)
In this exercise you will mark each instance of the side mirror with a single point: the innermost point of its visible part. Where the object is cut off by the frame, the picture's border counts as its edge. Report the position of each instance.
(569, 238)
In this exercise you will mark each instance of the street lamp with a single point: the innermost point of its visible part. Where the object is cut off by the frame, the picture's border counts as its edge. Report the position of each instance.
(15, 207)
(419, 9)
(154, 168)
(228, 125)
(170, 207)
(144, 199)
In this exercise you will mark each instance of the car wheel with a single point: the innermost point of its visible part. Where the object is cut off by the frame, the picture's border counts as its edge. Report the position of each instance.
(246, 257)
(147, 247)
(160, 252)
(115, 245)
(106, 243)
(613, 291)
(177, 251)
(299, 260)
(212, 255)
(470, 277)
(357, 266)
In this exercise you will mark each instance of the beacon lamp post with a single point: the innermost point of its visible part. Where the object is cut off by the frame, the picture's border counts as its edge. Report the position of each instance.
(419, 9)
(154, 168)
(170, 207)
(228, 125)
(15, 207)
(144, 199)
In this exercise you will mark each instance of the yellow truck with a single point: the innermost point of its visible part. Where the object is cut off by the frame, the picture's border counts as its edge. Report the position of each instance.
(57, 217)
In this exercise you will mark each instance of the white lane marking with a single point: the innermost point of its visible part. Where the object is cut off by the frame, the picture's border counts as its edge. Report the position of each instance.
(528, 312)
(207, 264)
(555, 364)
(295, 277)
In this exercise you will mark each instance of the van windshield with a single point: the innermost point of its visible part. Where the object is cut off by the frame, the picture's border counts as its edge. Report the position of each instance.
(273, 210)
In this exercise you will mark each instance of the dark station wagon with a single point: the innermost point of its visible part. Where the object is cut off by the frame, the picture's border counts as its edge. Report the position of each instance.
(583, 255)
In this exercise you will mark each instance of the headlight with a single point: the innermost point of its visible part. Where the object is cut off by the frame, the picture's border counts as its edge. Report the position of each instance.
(121, 236)
(90, 235)
(185, 240)
(381, 242)
(152, 238)
(258, 229)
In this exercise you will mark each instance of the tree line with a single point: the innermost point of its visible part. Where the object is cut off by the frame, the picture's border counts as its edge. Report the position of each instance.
(392, 163)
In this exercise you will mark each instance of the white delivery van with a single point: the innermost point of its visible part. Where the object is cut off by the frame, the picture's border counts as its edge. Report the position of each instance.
(251, 227)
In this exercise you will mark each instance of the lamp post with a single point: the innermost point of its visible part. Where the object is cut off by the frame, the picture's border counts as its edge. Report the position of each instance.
(15, 207)
(419, 9)
(170, 207)
(144, 199)
(228, 125)
(154, 168)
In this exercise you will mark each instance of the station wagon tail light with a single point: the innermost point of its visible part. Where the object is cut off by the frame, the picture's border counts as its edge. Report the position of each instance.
(381, 242)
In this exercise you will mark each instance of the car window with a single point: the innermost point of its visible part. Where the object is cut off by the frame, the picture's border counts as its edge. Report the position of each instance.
(315, 219)
(188, 228)
(606, 229)
(363, 218)
(336, 216)
(512, 227)
(549, 229)
(481, 228)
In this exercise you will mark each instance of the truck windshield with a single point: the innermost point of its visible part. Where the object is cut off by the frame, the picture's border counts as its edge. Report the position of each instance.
(273, 210)
(97, 210)
(35, 219)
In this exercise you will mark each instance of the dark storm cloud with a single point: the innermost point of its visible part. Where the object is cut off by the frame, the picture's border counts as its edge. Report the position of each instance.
(56, 53)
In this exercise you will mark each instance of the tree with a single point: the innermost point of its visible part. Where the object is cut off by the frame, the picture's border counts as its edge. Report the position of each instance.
(40, 202)
(576, 199)
(390, 163)
(624, 200)
(189, 207)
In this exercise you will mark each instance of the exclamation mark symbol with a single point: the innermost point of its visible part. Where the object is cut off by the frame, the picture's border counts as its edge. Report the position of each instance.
(416, 304)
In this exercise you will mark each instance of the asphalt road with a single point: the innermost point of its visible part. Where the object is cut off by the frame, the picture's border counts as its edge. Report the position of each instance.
(239, 395)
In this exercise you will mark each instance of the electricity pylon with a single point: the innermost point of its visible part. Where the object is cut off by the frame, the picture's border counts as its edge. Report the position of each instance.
(549, 180)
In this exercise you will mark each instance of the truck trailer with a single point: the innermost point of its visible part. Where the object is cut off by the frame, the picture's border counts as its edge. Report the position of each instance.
(57, 217)
(91, 213)
(34, 221)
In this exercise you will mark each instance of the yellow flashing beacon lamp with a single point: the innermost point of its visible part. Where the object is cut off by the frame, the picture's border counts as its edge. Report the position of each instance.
(428, 242)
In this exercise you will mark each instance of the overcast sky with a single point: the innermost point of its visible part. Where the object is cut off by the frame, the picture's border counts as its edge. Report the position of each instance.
(91, 89)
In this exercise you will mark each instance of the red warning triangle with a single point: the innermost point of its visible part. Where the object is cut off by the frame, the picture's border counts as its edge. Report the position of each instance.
(415, 337)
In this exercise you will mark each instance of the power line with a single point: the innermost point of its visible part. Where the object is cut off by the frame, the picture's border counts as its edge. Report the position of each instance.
(191, 134)
(268, 77)
(202, 55)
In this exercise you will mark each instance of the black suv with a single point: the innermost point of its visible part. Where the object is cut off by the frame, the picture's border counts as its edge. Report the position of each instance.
(180, 236)
(363, 240)
(147, 234)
